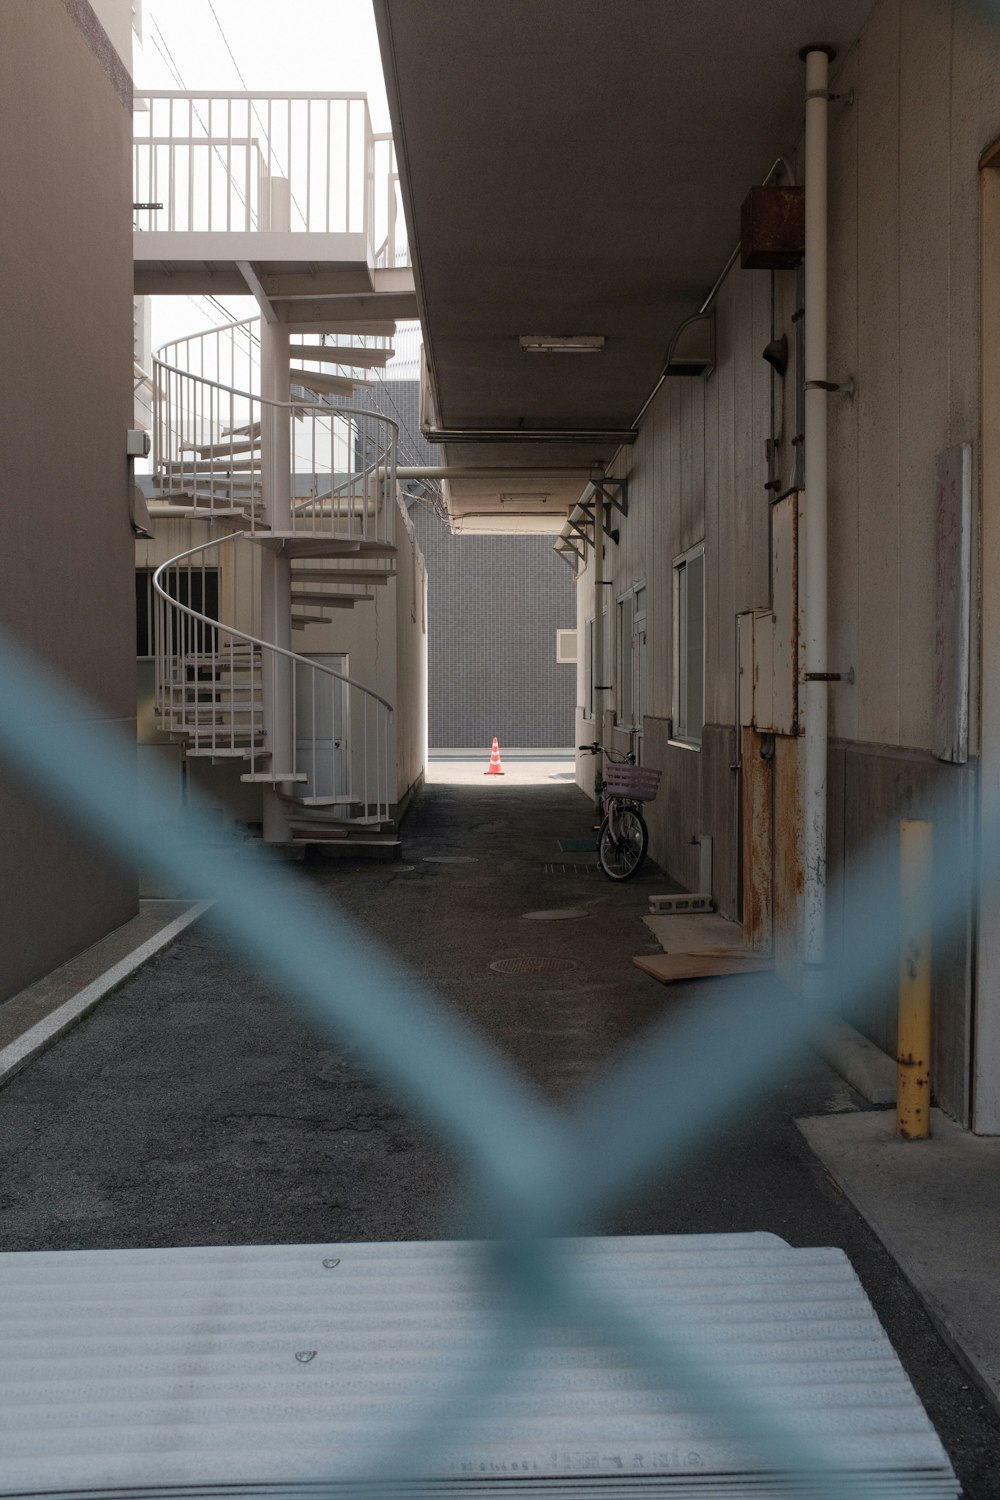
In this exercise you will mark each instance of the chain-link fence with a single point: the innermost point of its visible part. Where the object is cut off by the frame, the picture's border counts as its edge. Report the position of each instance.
(533, 1174)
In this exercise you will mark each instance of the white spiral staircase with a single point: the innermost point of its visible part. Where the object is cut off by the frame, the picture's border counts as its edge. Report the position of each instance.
(295, 199)
(307, 493)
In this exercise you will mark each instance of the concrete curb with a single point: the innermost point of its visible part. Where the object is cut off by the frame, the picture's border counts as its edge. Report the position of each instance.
(16, 1055)
(865, 1067)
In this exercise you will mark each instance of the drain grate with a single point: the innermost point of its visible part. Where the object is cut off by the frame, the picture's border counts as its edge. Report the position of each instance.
(450, 859)
(571, 869)
(532, 965)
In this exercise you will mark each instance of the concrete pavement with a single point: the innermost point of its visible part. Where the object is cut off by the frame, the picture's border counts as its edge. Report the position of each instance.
(935, 1205)
(191, 1107)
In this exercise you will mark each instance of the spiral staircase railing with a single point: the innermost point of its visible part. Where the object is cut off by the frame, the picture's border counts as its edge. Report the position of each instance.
(218, 446)
(212, 679)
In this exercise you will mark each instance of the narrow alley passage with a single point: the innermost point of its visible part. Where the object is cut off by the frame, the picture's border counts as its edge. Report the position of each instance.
(191, 1108)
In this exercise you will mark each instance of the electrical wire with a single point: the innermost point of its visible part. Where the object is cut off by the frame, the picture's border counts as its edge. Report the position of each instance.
(175, 73)
(260, 122)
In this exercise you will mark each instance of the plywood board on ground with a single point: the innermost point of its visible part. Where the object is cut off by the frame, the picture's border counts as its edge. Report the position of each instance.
(672, 968)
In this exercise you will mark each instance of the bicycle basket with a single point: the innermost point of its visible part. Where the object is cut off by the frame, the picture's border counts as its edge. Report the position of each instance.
(638, 782)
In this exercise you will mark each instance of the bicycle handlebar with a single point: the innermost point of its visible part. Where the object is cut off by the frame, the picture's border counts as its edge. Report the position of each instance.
(614, 755)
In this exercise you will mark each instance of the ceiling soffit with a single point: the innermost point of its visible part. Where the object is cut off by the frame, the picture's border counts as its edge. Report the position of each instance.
(574, 167)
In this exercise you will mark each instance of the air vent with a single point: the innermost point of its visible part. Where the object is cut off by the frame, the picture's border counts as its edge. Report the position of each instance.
(566, 647)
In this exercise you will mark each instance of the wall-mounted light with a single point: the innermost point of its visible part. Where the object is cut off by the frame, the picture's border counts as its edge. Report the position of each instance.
(543, 343)
(776, 355)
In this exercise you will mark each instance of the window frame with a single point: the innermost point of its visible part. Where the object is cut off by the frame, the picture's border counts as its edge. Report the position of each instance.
(634, 667)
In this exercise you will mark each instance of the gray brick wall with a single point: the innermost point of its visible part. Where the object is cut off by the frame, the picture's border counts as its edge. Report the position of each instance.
(494, 606)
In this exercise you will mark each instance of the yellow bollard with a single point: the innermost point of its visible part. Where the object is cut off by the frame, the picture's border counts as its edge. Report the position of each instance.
(913, 1055)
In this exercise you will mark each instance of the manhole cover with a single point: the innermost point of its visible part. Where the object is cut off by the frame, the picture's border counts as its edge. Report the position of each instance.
(576, 846)
(558, 914)
(532, 965)
(450, 859)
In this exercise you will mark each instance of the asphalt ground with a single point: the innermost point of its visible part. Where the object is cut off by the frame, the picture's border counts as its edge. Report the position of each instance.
(193, 1108)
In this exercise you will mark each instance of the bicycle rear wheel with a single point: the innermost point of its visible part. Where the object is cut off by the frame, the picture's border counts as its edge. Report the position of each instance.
(621, 854)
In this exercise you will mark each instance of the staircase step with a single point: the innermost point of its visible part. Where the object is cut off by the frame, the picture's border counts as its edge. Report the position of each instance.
(321, 834)
(329, 601)
(324, 383)
(238, 466)
(341, 575)
(229, 752)
(251, 431)
(211, 450)
(238, 739)
(382, 328)
(354, 356)
(299, 544)
(268, 778)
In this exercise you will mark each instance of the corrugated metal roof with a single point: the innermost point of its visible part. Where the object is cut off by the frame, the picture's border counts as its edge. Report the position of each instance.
(264, 1370)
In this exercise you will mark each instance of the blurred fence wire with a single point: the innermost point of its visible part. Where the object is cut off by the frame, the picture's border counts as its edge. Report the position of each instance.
(532, 1173)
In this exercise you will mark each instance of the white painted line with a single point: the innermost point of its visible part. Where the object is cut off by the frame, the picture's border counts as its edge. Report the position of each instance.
(35, 1040)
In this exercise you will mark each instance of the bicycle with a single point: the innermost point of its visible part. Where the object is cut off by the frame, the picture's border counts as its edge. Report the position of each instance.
(623, 838)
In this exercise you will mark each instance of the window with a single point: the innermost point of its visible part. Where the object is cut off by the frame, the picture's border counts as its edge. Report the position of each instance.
(594, 705)
(631, 675)
(689, 646)
(198, 587)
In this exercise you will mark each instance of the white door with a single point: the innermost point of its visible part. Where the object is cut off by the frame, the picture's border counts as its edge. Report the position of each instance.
(322, 730)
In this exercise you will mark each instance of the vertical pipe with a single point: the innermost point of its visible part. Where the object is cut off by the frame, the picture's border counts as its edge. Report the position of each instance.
(598, 652)
(276, 580)
(817, 61)
(913, 1056)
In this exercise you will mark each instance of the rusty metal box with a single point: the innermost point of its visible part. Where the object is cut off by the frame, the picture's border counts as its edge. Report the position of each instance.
(773, 228)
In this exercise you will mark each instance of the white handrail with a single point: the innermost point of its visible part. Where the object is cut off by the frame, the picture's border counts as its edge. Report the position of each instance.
(204, 444)
(253, 640)
(199, 697)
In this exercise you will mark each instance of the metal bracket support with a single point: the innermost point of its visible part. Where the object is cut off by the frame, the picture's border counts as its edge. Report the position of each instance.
(847, 676)
(613, 492)
(581, 532)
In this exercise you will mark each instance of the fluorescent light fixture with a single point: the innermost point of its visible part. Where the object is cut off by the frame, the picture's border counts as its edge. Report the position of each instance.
(525, 500)
(580, 343)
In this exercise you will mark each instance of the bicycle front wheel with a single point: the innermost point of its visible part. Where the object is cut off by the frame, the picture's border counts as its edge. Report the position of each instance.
(621, 853)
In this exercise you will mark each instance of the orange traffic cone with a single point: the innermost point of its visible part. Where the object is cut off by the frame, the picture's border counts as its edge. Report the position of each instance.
(495, 767)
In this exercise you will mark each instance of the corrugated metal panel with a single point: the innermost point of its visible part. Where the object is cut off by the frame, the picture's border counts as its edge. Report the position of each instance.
(262, 1370)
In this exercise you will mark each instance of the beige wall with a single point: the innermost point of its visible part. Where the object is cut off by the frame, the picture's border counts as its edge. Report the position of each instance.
(904, 317)
(65, 389)
(410, 699)
(904, 326)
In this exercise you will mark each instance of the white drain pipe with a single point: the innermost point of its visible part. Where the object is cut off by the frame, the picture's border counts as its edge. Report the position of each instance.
(817, 61)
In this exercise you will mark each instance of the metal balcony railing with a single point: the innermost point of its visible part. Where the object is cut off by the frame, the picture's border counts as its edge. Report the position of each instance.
(256, 162)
